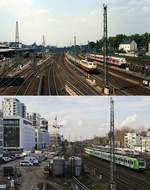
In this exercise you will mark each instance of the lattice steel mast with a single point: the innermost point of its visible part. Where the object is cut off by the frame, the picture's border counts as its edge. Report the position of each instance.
(17, 36)
(105, 40)
(112, 147)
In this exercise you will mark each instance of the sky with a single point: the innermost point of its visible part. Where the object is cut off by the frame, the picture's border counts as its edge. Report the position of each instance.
(86, 117)
(60, 20)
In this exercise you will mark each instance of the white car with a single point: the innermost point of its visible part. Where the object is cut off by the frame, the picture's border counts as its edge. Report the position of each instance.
(25, 163)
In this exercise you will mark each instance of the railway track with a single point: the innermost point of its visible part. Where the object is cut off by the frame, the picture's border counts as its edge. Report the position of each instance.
(79, 184)
(120, 82)
(79, 81)
(125, 179)
(52, 84)
(31, 82)
(27, 87)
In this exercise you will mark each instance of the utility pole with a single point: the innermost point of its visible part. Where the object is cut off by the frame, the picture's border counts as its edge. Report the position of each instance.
(75, 44)
(44, 42)
(112, 147)
(17, 58)
(88, 46)
(17, 36)
(106, 88)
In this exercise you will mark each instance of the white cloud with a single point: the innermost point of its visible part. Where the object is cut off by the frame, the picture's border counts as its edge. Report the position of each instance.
(129, 121)
(14, 3)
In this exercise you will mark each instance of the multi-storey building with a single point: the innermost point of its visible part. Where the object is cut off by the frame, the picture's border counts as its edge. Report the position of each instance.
(41, 130)
(41, 139)
(18, 133)
(35, 119)
(1, 132)
(43, 124)
(13, 107)
(132, 139)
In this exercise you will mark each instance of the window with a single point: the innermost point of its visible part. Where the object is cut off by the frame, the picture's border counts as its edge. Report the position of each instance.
(11, 122)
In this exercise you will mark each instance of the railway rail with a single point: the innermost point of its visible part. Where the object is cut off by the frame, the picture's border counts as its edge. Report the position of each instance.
(79, 184)
(120, 81)
(79, 81)
(125, 178)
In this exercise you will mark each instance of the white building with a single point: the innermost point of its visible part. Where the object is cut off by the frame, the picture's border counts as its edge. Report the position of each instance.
(13, 107)
(38, 139)
(35, 119)
(18, 133)
(43, 124)
(41, 130)
(1, 133)
(146, 144)
(149, 48)
(132, 139)
(41, 139)
(130, 46)
(148, 133)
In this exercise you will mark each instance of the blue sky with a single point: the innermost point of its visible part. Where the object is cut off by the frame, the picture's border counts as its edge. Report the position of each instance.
(85, 117)
(60, 20)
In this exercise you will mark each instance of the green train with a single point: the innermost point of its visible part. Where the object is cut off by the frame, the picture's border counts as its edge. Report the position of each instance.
(124, 160)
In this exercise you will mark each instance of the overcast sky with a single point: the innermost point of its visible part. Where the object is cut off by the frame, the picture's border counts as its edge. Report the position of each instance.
(60, 20)
(85, 117)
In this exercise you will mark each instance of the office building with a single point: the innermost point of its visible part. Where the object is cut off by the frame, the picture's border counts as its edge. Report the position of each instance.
(18, 133)
(1, 132)
(35, 119)
(13, 107)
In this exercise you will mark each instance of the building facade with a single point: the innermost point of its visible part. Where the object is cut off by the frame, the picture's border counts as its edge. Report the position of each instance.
(1, 133)
(132, 139)
(35, 119)
(41, 130)
(13, 107)
(18, 133)
(43, 124)
(146, 144)
(130, 46)
(149, 48)
(41, 139)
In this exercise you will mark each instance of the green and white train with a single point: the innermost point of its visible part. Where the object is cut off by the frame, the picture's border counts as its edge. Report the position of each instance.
(124, 160)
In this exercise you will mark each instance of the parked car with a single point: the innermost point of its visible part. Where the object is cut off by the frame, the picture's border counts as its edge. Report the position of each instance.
(18, 156)
(32, 159)
(35, 162)
(25, 163)
(6, 159)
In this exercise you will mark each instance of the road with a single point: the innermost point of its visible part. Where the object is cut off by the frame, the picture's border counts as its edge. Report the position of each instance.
(32, 176)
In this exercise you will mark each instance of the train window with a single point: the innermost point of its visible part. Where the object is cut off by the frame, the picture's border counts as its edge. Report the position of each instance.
(129, 161)
(141, 163)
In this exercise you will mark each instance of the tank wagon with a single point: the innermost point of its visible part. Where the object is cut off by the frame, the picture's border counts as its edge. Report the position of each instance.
(88, 66)
(117, 61)
(124, 160)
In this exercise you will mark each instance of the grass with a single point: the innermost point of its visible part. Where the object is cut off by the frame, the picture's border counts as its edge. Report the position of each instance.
(94, 183)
